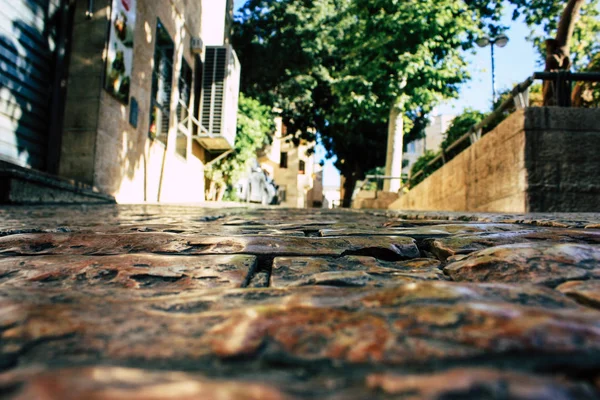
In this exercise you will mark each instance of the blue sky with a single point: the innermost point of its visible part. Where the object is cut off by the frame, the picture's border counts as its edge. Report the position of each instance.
(514, 63)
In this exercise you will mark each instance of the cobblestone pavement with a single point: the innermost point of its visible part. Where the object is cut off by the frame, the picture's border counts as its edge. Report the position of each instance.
(151, 302)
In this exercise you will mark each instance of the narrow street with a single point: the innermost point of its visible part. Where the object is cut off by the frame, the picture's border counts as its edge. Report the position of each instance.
(168, 302)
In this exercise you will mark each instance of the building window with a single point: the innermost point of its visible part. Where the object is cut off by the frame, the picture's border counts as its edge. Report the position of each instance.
(281, 194)
(301, 167)
(162, 78)
(184, 122)
(411, 148)
(283, 161)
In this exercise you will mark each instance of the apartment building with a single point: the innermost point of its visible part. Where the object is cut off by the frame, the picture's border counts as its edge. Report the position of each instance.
(298, 175)
(434, 136)
(131, 97)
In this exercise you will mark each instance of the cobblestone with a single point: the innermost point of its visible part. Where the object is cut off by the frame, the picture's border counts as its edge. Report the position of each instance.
(169, 302)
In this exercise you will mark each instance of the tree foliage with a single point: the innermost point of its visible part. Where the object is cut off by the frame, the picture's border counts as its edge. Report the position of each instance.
(459, 126)
(255, 125)
(543, 16)
(422, 164)
(337, 66)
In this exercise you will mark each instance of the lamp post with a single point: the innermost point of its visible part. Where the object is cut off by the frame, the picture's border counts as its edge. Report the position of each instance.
(500, 41)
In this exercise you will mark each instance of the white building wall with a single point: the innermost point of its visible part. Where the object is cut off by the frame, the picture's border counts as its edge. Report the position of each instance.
(213, 28)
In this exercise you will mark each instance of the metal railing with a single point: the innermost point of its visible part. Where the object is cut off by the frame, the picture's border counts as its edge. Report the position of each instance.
(562, 81)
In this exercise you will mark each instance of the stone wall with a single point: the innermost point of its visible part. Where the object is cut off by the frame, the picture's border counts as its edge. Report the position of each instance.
(538, 159)
(562, 156)
(99, 146)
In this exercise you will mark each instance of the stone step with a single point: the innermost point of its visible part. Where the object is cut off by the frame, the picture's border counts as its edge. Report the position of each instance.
(20, 185)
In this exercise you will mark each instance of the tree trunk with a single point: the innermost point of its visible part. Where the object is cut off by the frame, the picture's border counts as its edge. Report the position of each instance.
(349, 184)
(221, 192)
(557, 49)
(393, 159)
(212, 191)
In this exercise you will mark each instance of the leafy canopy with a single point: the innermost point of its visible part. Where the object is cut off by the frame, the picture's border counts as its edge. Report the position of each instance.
(337, 66)
(255, 125)
(543, 16)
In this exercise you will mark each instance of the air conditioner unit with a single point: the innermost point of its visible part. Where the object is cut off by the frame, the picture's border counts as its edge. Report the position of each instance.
(197, 45)
(219, 98)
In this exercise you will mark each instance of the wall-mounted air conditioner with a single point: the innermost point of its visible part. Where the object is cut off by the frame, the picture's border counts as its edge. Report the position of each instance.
(219, 98)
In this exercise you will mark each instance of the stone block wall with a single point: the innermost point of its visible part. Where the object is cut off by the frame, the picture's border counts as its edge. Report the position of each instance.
(563, 159)
(538, 159)
(100, 147)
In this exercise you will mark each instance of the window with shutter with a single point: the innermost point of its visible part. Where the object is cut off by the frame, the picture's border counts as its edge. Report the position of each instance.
(213, 89)
(162, 78)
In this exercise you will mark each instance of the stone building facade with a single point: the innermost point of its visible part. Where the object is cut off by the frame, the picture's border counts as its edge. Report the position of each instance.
(299, 177)
(113, 145)
(122, 102)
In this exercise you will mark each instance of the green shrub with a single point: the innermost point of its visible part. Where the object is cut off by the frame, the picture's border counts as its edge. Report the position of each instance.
(459, 126)
(421, 164)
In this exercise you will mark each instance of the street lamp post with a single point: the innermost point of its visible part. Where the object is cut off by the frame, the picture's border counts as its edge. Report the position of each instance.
(500, 41)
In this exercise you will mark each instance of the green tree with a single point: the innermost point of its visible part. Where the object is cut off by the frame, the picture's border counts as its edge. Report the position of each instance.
(543, 18)
(345, 68)
(422, 165)
(255, 125)
(459, 126)
(565, 32)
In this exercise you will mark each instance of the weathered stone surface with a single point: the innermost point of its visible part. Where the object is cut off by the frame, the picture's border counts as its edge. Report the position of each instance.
(475, 384)
(449, 293)
(167, 243)
(585, 292)
(137, 302)
(464, 244)
(350, 271)
(538, 263)
(437, 321)
(427, 230)
(134, 271)
(110, 383)
(559, 220)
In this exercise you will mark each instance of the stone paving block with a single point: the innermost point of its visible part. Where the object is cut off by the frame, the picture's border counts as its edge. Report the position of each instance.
(105, 382)
(187, 229)
(134, 271)
(558, 220)
(585, 292)
(166, 243)
(449, 293)
(538, 263)
(464, 244)
(483, 383)
(117, 383)
(426, 231)
(153, 301)
(351, 271)
(362, 327)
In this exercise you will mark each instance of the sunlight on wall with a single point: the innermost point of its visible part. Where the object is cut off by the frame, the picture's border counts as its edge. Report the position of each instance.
(148, 31)
(213, 28)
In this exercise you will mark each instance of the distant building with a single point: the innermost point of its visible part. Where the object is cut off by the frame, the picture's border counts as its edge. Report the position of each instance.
(434, 136)
(132, 97)
(299, 177)
(332, 195)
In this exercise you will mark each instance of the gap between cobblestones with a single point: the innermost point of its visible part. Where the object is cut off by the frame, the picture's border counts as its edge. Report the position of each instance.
(264, 262)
